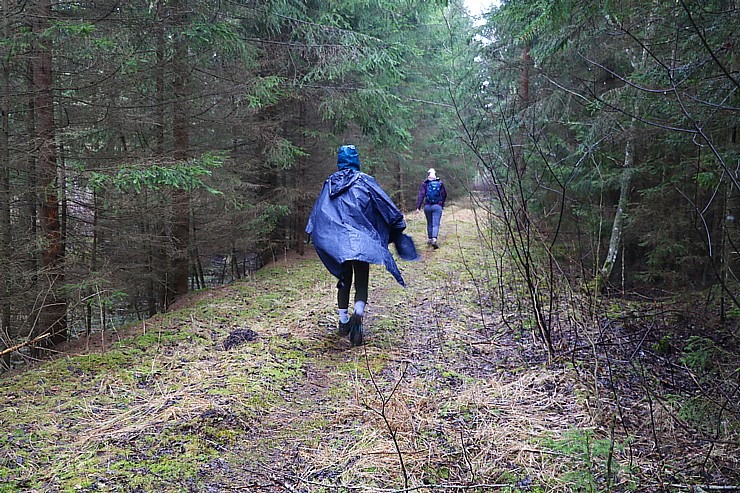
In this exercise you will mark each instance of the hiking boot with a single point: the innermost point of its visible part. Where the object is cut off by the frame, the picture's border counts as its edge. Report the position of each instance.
(434, 243)
(344, 328)
(355, 330)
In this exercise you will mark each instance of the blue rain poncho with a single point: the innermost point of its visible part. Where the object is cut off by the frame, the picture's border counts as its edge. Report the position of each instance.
(354, 219)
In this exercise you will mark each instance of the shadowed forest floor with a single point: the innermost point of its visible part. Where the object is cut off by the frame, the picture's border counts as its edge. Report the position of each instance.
(451, 391)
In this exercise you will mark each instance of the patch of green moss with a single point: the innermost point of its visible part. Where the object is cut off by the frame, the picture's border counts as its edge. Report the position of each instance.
(166, 461)
(454, 377)
(663, 346)
(97, 362)
(341, 390)
(434, 474)
(55, 371)
(462, 413)
(251, 390)
(165, 338)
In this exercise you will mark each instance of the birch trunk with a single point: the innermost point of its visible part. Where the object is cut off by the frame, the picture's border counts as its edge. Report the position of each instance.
(602, 278)
(618, 225)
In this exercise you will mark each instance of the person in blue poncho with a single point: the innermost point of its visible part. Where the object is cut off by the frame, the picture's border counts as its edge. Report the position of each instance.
(351, 225)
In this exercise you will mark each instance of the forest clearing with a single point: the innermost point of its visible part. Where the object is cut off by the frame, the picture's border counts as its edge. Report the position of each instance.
(248, 387)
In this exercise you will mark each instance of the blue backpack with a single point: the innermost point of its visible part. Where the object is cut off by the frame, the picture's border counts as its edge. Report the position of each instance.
(434, 192)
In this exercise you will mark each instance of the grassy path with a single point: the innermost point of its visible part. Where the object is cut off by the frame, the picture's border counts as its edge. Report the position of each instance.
(435, 396)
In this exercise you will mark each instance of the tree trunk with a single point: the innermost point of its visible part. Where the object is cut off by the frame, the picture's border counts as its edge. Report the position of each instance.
(524, 79)
(401, 199)
(523, 105)
(53, 312)
(520, 162)
(181, 137)
(618, 225)
(602, 278)
(156, 285)
(6, 235)
(301, 204)
(93, 267)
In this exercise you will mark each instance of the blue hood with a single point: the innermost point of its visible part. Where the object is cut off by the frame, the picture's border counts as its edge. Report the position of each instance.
(340, 181)
(347, 157)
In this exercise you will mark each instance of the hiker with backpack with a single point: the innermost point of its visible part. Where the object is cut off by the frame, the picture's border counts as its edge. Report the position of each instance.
(351, 225)
(432, 195)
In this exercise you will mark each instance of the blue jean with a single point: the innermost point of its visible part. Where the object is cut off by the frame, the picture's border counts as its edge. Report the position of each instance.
(433, 212)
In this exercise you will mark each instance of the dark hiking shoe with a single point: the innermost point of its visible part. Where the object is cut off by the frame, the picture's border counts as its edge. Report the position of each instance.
(434, 243)
(355, 330)
(344, 328)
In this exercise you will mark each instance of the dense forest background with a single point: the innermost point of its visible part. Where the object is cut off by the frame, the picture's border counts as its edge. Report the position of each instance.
(150, 148)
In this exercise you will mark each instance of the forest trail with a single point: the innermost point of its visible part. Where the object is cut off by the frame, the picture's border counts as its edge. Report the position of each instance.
(442, 393)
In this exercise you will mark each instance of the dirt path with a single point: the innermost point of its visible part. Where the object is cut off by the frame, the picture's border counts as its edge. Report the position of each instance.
(428, 399)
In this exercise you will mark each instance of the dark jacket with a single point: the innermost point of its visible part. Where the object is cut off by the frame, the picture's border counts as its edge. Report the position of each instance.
(354, 219)
(420, 199)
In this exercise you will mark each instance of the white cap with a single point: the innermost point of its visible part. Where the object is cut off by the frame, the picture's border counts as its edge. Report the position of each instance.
(431, 174)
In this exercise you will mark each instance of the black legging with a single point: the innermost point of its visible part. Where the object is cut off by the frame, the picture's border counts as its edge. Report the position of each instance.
(361, 271)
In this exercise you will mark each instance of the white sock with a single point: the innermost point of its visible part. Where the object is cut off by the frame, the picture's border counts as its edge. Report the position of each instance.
(344, 315)
(359, 308)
